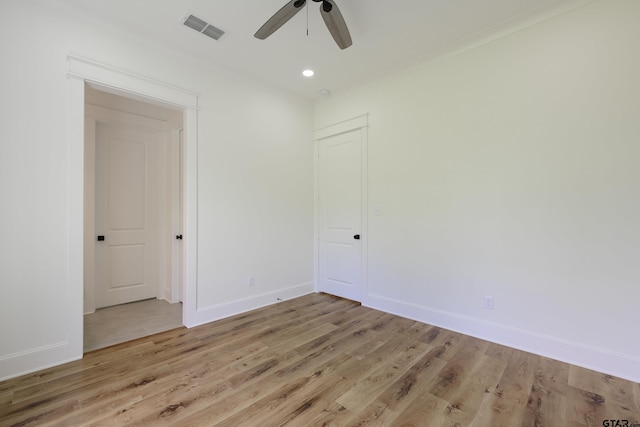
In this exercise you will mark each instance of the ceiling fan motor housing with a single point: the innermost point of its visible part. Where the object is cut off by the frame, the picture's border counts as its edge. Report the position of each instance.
(326, 6)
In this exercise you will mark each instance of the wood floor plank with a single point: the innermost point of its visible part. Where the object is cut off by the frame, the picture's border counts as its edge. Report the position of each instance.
(585, 408)
(317, 360)
(5, 399)
(199, 392)
(197, 377)
(295, 402)
(458, 368)
(446, 342)
(231, 401)
(270, 389)
(58, 408)
(425, 410)
(101, 358)
(507, 402)
(474, 393)
(548, 397)
(81, 380)
(636, 395)
(38, 378)
(350, 373)
(619, 401)
(399, 358)
(395, 399)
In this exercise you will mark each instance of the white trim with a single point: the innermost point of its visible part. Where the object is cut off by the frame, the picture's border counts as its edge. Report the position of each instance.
(357, 123)
(34, 351)
(89, 215)
(75, 215)
(572, 352)
(176, 155)
(116, 117)
(342, 127)
(131, 83)
(221, 311)
(364, 212)
(190, 217)
(316, 215)
(35, 359)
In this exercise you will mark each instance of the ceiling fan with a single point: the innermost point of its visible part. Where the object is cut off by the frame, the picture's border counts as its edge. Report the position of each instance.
(330, 14)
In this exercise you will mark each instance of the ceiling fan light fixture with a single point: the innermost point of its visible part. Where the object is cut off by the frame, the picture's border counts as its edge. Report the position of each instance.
(308, 72)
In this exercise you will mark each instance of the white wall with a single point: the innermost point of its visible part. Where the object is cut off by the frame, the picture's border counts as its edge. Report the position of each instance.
(511, 170)
(255, 204)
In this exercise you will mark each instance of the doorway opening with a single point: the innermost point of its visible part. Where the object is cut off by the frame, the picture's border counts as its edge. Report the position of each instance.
(83, 72)
(133, 205)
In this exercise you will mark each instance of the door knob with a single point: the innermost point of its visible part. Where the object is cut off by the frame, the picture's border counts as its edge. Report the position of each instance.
(357, 237)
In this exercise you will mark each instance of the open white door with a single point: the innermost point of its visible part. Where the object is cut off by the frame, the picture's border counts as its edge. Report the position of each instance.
(126, 222)
(177, 288)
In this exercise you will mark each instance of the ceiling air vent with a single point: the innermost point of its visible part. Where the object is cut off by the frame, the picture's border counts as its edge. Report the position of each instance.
(203, 27)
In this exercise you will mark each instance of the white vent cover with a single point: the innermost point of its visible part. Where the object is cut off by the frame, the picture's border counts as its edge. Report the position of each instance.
(203, 27)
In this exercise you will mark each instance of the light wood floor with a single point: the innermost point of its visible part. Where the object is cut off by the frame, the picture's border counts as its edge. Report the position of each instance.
(126, 322)
(315, 361)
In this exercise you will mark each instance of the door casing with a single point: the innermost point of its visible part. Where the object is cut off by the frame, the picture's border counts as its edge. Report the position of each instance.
(103, 77)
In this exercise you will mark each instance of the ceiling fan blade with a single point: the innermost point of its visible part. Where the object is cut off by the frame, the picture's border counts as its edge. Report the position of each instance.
(280, 18)
(336, 25)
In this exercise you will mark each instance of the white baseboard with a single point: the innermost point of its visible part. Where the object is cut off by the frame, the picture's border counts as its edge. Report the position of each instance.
(36, 359)
(217, 312)
(579, 354)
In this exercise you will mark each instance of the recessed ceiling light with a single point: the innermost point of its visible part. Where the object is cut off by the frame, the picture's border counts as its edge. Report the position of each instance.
(308, 73)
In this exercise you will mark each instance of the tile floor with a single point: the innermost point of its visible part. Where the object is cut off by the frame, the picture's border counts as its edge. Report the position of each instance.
(120, 323)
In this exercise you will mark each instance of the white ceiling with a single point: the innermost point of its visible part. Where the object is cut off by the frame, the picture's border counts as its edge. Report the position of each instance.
(388, 36)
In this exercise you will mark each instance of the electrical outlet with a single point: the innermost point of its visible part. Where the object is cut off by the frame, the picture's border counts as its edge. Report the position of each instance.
(488, 302)
(251, 281)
